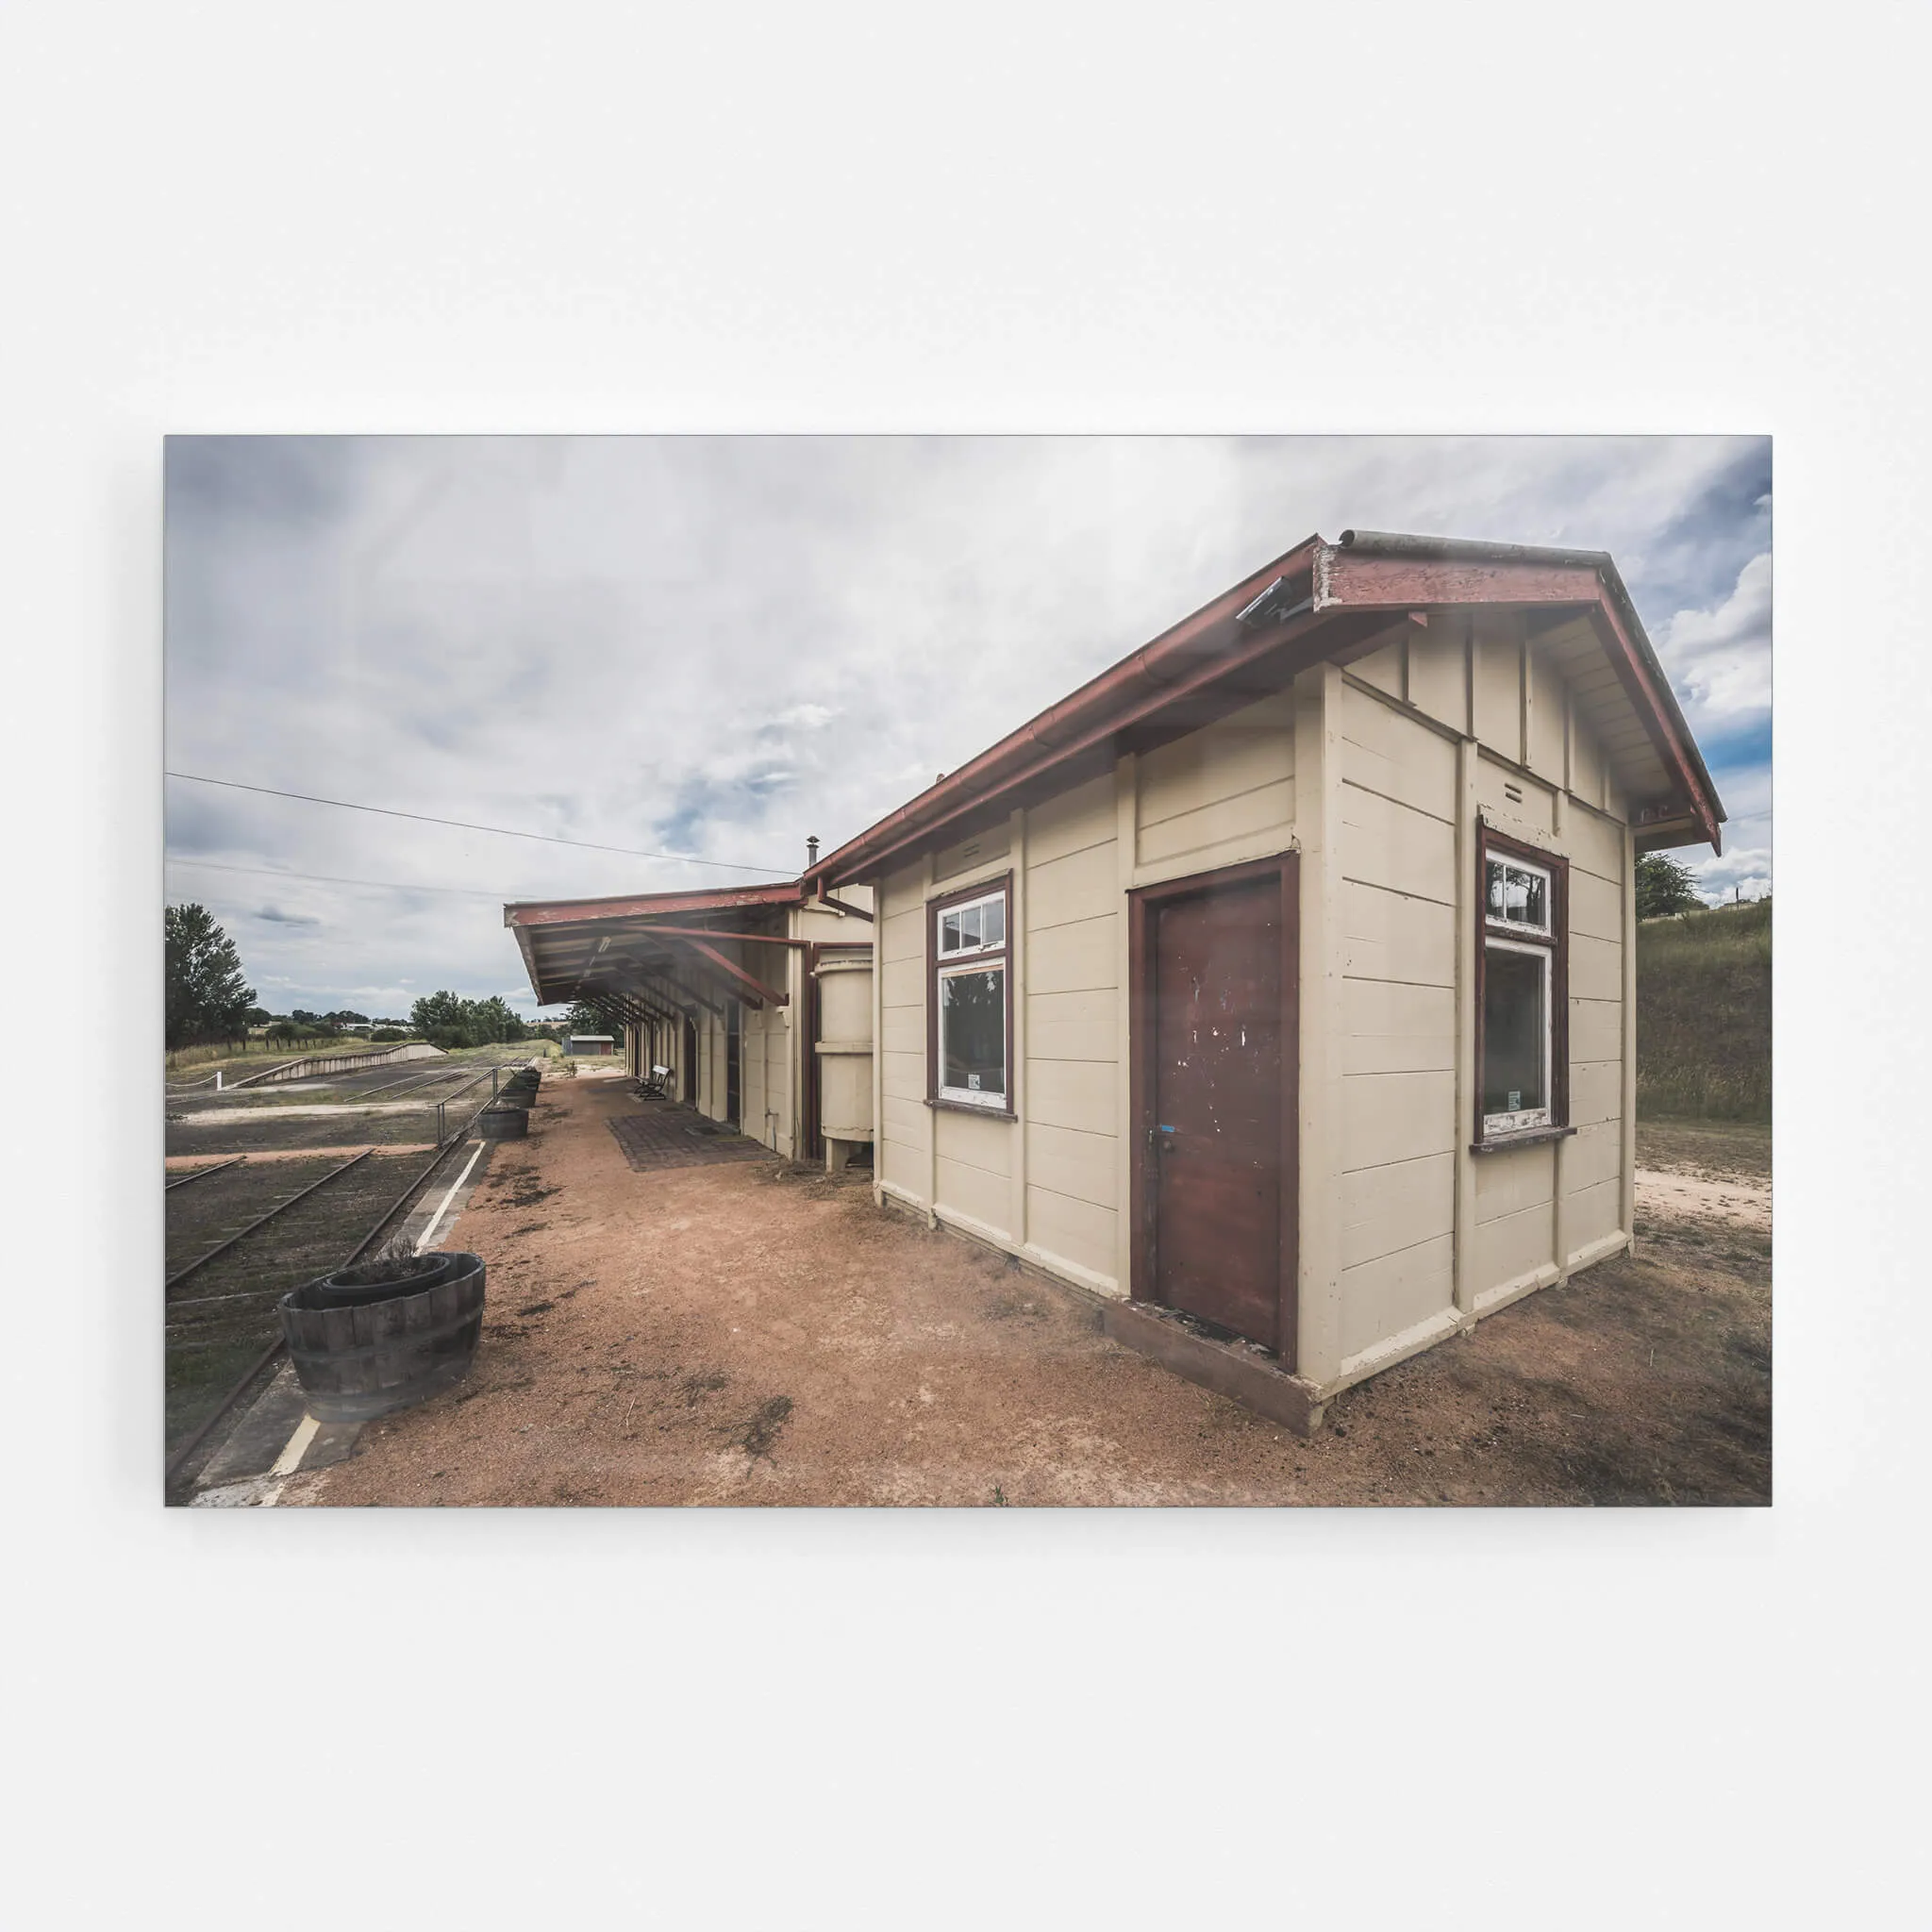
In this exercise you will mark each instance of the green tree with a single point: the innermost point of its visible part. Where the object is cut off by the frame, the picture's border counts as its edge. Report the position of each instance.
(208, 997)
(439, 1018)
(492, 1020)
(1663, 887)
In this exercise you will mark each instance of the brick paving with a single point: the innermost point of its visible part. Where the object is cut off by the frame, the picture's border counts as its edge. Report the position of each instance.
(667, 1135)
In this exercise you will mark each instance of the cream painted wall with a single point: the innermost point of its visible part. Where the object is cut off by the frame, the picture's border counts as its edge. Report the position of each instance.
(1406, 1235)
(1398, 805)
(1518, 1217)
(1051, 1184)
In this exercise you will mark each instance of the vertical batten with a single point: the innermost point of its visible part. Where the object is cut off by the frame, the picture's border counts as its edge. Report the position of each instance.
(1019, 1087)
(879, 1129)
(1468, 937)
(1318, 826)
(800, 1037)
(929, 1006)
(1627, 1212)
(1560, 1201)
(1526, 716)
(1126, 810)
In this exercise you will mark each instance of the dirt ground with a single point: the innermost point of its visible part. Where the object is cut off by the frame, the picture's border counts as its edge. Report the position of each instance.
(757, 1333)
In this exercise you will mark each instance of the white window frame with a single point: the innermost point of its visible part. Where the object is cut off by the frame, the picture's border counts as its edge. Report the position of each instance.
(1529, 1118)
(950, 963)
(954, 955)
(1510, 863)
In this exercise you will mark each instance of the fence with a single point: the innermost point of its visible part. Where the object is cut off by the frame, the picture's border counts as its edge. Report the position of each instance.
(339, 1063)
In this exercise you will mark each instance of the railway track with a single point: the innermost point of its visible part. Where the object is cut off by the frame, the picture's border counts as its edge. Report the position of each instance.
(273, 1226)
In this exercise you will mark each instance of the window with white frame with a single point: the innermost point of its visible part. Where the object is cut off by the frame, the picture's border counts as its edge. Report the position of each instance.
(1524, 1004)
(1516, 894)
(971, 999)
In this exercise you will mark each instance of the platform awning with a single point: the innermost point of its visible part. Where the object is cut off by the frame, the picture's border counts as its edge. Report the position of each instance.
(653, 954)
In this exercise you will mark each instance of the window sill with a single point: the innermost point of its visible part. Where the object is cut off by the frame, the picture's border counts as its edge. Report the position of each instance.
(990, 1114)
(1529, 1137)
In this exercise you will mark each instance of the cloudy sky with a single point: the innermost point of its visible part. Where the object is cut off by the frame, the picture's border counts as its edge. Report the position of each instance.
(707, 648)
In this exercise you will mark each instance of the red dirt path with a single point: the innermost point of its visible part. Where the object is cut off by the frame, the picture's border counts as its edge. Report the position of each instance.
(752, 1333)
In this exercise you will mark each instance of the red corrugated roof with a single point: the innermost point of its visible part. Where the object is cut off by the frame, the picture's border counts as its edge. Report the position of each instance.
(1322, 609)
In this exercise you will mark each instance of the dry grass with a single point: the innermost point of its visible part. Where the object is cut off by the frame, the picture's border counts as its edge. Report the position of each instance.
(1704, 1015)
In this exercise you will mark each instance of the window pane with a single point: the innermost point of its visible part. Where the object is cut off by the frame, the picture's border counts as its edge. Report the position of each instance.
(949, 932)
(1515, 1026)
(973, 1032)
(969, 926)
(994, 927)
(1517, 896)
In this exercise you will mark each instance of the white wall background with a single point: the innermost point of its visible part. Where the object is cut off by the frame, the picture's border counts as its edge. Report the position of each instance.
(593, 217)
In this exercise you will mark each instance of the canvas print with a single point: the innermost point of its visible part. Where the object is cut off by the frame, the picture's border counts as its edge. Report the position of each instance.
(967, 971)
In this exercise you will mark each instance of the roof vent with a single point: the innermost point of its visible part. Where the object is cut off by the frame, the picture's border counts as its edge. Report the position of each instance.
(811, 851)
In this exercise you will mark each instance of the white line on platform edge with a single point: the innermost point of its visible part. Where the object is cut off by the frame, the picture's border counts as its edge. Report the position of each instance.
(292, 1451)
(435, 1220)
(289, 1461)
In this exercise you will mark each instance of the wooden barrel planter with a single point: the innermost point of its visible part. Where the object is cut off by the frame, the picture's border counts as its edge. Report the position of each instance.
(368, 1342)
(500, 1122)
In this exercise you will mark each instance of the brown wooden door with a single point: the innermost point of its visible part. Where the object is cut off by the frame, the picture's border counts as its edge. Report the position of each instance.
(1217, 1008)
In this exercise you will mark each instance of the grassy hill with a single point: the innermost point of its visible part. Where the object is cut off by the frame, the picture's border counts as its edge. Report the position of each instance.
(1704, 1015)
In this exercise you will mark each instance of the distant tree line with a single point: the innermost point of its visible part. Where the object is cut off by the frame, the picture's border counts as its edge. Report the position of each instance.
(209, 1001)
(445, 1020)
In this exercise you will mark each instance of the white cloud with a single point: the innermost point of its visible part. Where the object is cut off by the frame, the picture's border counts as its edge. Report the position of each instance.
(1719, 659)
(719, 646)
(1744, 874)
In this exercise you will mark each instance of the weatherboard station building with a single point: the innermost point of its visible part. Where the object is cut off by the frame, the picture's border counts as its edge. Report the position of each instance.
(1276, 988)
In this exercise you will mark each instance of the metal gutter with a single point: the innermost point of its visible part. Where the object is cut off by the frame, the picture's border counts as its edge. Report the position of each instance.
(526, 913)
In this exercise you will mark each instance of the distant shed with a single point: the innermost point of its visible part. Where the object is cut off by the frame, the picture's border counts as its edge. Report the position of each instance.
(591, 1042)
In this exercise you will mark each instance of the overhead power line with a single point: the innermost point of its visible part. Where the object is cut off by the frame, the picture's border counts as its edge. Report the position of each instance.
(264, 872)
(464, 826)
